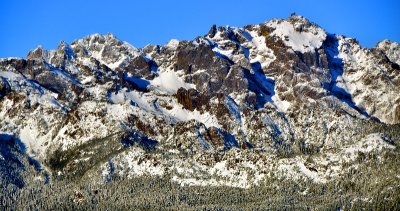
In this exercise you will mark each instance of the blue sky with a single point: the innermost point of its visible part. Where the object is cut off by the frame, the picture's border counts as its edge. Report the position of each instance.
(29, 23)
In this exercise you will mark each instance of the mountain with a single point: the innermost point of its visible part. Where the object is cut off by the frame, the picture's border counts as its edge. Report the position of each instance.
(279, 106)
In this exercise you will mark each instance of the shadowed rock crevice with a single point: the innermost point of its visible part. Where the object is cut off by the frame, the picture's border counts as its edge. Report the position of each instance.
(4, 87)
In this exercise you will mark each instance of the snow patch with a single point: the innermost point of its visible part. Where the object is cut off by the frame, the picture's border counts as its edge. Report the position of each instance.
(134, 165)
(372, 142)
(258, 50)
(148, 104)
(299, 41)
(173, 44)
(282, 105)
(169, 82)
(310, 174)
(181, 114)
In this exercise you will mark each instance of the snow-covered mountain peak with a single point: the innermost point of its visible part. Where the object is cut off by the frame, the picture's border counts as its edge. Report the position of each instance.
(298, 33)
(235, 107)
(391, 49)
(107, 49)
(38, 53)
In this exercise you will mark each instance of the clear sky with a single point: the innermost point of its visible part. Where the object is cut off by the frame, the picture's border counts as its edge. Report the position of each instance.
(25, 24)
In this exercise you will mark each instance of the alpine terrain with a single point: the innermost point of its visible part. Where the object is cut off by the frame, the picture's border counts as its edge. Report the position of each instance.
(280, 114)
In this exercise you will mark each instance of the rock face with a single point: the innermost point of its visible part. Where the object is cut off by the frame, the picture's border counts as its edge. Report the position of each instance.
(4, 87)
(227, 108)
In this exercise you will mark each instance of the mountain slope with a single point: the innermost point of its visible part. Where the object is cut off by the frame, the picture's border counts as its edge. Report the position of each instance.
(236, 107)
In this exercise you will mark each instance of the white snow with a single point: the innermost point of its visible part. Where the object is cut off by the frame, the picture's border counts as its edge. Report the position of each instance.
(218, 175)
(124, 96)
(7, 104)
(227, 53)
(372, 142)
(65, 75)
(32, 90)
(72, 68)
(118, 97)
(10, 75)
(130, 162)
(258, 50)
(220, 169)
(173, 44)
(377, 98)
(181, 114)
(96, 50)
(282, 105)
(254, 47)
(117, 111)
(169, 82)
(391, 49)
(34, 139)
(299, 41)
(294, 168)
(148, 103)
(310, 174)
(88, 79)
